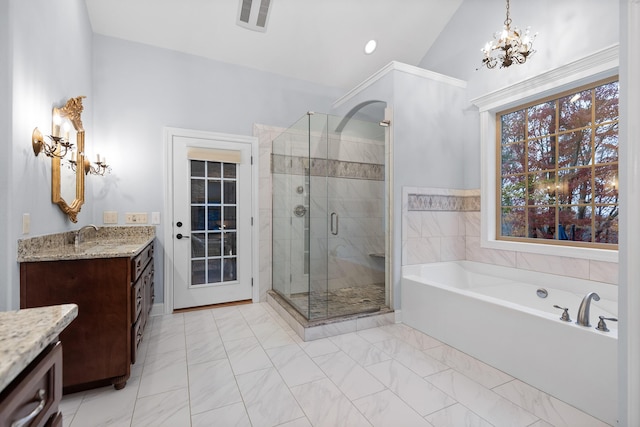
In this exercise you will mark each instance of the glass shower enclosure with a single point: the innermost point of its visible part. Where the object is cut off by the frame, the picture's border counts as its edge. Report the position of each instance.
(328, 187)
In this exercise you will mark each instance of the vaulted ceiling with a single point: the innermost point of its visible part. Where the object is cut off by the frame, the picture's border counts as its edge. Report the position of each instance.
(321, 41)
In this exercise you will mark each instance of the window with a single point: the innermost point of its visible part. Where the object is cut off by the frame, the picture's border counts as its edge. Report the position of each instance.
(557, 169)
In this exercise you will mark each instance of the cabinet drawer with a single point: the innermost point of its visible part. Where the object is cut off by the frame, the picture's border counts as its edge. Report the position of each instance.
(137, 299)
(140, 261)
(36, 393)
(136, 338)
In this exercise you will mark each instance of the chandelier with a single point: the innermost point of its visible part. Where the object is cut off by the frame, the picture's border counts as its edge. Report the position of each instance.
(508, 46)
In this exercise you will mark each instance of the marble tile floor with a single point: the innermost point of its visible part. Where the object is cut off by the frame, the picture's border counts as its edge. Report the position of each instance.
(244, 366)
(340, 302)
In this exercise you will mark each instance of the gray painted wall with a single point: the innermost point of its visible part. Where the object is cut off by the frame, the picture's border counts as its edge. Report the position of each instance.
(5, 145)
(45, 68)
(140, 89)
(568, 30)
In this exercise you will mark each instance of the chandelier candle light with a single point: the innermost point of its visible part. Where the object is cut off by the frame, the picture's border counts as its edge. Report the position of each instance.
(508, 47)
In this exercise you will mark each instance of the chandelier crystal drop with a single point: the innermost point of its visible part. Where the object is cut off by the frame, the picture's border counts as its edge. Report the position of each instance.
(509, 46)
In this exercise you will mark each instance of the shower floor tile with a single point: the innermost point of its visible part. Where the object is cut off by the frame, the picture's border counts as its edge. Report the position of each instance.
(340, 302)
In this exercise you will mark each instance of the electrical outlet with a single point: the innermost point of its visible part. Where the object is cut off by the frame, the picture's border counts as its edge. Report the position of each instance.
(110, 217)
(155, 217)
(136, 217)
(26, 223)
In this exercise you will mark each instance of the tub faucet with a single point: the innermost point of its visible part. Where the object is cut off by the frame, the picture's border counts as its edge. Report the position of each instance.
(583, 311)
(77, 235)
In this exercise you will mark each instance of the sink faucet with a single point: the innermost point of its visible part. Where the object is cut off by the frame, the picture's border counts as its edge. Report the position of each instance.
(583, 311)
(78, 234)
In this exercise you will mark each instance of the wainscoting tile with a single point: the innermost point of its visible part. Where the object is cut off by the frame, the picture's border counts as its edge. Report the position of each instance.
(563, 266)
(477, 253)
(420, 250)
(602, 271)
(452, 248)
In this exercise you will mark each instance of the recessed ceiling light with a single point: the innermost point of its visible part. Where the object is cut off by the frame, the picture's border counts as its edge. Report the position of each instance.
(370, 47)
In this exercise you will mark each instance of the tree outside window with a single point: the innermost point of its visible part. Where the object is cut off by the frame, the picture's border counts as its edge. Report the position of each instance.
(559, 169)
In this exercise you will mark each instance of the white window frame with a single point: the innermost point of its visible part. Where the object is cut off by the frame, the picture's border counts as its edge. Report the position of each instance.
(597, 66)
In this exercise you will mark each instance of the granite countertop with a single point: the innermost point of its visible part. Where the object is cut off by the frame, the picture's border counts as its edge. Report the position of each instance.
(25, 333)
(106, 242)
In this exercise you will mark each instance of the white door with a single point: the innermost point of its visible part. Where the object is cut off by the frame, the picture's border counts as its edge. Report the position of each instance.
(211, 221)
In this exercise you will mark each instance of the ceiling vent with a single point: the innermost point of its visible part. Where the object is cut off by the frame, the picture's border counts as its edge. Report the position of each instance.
(254, 14)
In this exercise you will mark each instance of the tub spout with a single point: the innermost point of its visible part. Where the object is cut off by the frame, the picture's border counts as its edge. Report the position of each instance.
(583, 311)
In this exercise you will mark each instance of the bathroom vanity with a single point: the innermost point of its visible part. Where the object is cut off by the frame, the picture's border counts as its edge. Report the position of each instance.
(110, 277)
(31, 365)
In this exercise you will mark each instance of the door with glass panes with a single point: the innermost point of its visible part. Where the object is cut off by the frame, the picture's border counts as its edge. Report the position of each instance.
(212, 221)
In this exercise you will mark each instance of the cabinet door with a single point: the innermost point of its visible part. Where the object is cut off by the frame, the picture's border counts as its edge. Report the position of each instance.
(98, 342)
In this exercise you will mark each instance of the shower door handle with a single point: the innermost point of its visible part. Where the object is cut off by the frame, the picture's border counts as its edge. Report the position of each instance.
(334, 229)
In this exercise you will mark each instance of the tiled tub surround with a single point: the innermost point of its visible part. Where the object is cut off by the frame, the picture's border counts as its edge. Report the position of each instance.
(352, 185)
(493, 313)
(25, 333)
(444, 225)
(106, 242)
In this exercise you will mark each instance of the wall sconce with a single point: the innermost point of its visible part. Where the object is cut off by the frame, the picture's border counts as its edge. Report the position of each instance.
(99, 167)
(58, 147)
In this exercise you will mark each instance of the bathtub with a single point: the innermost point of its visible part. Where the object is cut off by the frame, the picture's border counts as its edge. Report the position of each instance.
(494, 314)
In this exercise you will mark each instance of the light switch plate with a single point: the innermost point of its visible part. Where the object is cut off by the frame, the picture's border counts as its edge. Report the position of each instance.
(110, 217)
(136, 218)
(26, 223)
(155, 217)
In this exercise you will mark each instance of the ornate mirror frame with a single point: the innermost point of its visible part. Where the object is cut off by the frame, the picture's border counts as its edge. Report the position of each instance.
(72, 111)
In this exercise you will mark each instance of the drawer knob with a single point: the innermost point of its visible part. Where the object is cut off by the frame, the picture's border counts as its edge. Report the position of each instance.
(27, 419)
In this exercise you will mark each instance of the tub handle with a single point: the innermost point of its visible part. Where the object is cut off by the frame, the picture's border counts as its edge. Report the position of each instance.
(565, 314)
(603, 326)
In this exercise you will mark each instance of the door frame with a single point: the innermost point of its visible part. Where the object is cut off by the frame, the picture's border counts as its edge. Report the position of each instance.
(168, 135)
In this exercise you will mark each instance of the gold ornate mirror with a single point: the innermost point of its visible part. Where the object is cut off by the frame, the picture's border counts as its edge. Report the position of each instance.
(67, 182)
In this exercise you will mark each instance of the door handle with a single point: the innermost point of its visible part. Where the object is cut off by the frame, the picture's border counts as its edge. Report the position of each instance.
(180, 236)
(334, 230)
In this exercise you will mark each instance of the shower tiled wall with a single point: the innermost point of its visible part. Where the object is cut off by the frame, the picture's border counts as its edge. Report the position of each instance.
(444, 225)
(355, 186)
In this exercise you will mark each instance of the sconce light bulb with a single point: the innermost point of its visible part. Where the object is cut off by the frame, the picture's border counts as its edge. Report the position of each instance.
(57, 119)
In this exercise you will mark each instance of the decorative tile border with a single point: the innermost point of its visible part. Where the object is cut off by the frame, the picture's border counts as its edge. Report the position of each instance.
(436, 202)
(296, 165)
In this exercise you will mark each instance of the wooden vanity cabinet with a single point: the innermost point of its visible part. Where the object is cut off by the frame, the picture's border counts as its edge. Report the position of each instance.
(100, 345)
(34, 396)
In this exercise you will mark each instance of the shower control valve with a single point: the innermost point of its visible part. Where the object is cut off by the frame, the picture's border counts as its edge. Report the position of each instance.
(603, 326)
(565, 314)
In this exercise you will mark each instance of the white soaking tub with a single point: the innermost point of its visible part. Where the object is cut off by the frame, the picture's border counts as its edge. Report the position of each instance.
(494, 314)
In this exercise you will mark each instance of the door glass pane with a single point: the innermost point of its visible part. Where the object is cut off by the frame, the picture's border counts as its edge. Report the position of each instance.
(213, 209)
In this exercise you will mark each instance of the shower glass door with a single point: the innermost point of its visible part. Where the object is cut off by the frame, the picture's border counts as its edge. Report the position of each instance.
(328, 216)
